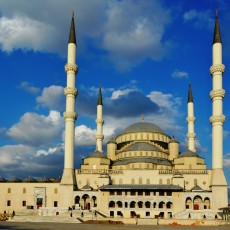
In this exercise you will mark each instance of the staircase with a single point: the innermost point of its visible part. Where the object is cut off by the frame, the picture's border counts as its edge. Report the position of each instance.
(196, 214)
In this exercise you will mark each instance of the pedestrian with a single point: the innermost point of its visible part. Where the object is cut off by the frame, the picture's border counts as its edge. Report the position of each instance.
(71, 214)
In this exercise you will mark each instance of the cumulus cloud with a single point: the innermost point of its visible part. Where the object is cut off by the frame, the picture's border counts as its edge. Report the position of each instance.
(128, 31)
(85, 135)
(226, 160)
(28, 87)
(37, 130)
(179, 74)
(200, 19)
(22, 32)
(52, 98)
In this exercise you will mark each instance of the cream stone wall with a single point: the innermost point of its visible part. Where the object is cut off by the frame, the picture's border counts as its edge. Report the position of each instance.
(16, 193)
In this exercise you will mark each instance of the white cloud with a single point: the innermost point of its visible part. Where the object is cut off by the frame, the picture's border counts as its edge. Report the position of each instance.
(53, 150)
(201, 19)
(85, 135)
(117, 93)
(226, 160)
(37, 130)
(165, 100)
(28, 87)
(179, 74)
(52, 98)
(22, 32)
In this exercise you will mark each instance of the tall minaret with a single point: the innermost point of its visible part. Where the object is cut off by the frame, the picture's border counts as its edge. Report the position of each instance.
(218, 183)
(70, 115)
(99, 122)
(190, 120)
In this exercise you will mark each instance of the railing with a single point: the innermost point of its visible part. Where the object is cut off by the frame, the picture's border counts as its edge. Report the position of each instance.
(100, 171)
(183, 171)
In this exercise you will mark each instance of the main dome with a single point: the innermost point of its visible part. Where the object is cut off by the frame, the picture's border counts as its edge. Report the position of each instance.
(143, 127)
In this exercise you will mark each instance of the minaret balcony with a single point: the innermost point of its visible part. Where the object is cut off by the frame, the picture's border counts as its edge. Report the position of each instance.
(217, 69)
(215, 120)
(217, 93)
(71, 67)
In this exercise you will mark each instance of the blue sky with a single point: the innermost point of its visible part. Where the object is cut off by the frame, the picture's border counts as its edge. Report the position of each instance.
(142, 53)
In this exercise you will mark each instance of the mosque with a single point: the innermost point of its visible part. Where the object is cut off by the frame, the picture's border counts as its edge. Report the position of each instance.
(142, 174)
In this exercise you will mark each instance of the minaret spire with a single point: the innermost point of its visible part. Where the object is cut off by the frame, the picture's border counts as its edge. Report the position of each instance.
(216, 36)
(191, 135)
(99, 122)
(70, 116)
(72, 37)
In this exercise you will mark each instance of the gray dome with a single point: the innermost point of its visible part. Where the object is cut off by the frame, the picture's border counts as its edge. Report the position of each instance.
(2, 179)
(97, 154)
(43, 180)
(15, 179)
(188, 153)
(143, 127)
(29, 179)
(141, 147)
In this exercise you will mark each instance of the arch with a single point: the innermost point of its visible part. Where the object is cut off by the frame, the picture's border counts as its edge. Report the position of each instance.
(86, 201)
(147, 204)
(111, 204)
(119, 204)
(154, 205)
(161, 204)
(132, 204)
(94, 201)
(197, 201)
(169, 205)
(188, 203)
(207, 203)
(140, 204)
(77, 199)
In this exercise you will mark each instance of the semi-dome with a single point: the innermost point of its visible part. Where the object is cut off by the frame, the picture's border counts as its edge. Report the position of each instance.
(188, 153)
(141, 147)
(143, 127)
(97, 154)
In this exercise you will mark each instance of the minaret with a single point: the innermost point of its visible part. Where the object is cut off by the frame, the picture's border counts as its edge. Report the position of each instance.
(70, 115)
(191, 120)
(218, 183)
(99, 122)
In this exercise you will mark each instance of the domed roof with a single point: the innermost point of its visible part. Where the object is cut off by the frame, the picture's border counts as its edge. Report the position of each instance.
(14, 179)
(143, 127)
(141, 147)
(43, 180)
(2, 179)
(96, 154)
(29, 179)
(188, 153)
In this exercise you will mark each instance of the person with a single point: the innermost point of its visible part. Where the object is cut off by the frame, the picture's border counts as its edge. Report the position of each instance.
(13, 213)
(71, 214)
(82, 214)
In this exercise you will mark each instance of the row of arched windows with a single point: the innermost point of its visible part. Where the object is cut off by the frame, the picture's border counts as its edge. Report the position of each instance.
(141, 181)
(141, 204)
(140, 154)
(24, 190)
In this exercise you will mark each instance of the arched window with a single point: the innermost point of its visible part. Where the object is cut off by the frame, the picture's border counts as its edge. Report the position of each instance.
(147, 204)
(140, 204)
(24, 190)
(169, 205)
(77, 199)
(119, 204)
(55, 191)
(132, 204)
(9, 190)
(140, 180)
(160, 181)
(154, 205)
(206, 203)
(188, 203)
(111, 204)
(161, 204)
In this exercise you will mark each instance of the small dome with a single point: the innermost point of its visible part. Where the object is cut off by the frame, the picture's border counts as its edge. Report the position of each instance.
(197, 188)
(2, 179)
(97, 154)
(43, 180)
(57, 180)
(29, 179)
(173, 140)
(14, 179)
(87, 188)
(143, 127)
(112, 141)
(188, 153)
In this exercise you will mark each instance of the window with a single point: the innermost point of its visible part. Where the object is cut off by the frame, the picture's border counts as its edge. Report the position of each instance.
(133, 193)
(112, 193)
(9, 190)
(161, 193)
(24, 190)
(147, 214)
(119, 193)
(169, 193)
(147, 193)
(140, 193)
(55, 203)
(23, 203)
(8, 202)
(55, 191)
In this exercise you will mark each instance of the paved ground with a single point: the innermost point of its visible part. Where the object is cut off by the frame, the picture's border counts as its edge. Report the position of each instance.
(61, 226)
